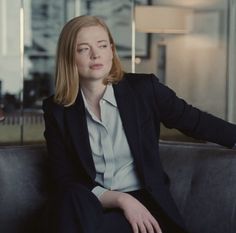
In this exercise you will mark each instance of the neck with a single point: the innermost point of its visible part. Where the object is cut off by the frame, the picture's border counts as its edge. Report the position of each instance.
(93, 91)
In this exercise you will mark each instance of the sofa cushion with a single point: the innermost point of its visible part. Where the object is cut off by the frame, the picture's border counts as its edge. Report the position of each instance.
(22, 187)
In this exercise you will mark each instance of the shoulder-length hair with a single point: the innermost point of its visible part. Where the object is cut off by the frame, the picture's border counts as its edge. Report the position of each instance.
(66, 72)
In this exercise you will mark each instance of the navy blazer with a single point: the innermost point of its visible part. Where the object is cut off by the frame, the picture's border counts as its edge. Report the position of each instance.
(143, 103)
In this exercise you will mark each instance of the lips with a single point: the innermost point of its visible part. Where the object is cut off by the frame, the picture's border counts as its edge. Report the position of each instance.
(96, 66)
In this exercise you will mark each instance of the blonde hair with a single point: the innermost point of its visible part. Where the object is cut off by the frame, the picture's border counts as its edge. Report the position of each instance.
(66, 72)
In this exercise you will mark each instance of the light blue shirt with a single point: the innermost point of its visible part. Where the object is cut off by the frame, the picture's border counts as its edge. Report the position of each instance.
(115, 169)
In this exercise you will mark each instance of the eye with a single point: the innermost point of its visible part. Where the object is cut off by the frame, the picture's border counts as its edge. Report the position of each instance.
(82, 49)
(103, 46)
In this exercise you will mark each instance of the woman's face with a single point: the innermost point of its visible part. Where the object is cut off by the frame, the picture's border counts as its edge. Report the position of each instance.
(93, 53)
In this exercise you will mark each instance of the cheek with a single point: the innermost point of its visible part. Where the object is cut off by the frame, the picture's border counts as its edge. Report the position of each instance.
(80, 62)
(109, 56)
(109, 60)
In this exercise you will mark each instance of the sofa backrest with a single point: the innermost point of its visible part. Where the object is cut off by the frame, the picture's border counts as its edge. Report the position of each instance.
(203, 183)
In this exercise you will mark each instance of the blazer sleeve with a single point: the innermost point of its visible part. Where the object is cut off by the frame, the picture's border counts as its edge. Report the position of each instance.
(63, 168)
(176, 113)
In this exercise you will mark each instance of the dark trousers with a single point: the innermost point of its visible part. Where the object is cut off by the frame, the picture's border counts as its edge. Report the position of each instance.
(77, 210)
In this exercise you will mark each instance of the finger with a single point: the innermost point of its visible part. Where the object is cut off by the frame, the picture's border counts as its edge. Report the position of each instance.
(149, 226)
(142, 228)
(155, 225)
(134, 227)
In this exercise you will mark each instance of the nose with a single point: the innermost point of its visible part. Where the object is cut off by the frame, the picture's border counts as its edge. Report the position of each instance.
(94, 53)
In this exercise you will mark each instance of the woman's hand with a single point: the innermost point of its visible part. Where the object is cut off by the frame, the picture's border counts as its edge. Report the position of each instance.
(135, 212)
(138, 216)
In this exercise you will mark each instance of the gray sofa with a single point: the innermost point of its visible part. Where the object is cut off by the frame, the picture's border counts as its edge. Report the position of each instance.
(203, 183)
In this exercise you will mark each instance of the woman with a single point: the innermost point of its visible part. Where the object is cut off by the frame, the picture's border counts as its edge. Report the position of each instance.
(102, 131)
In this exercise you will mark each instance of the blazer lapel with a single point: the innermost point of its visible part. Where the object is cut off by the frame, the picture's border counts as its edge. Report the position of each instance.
(127, 106)
(77, 127)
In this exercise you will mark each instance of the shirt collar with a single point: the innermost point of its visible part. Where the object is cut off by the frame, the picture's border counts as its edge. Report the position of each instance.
(107, 96)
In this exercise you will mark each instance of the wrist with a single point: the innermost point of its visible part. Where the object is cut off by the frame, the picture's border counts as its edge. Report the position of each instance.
(121, 200)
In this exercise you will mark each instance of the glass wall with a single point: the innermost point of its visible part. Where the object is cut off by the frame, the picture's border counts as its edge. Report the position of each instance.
(198, 65)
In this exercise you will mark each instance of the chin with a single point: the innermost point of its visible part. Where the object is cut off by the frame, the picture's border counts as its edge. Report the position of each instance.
(95, 76)
(99, 76)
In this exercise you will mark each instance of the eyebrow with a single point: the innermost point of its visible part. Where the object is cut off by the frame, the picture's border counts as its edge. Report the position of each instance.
(84, 43)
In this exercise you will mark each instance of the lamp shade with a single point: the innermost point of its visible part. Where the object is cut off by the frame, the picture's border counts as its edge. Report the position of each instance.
(159, 19)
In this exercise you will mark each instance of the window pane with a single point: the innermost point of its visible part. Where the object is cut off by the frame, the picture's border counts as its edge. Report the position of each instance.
(10, 78)
(43, 22)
